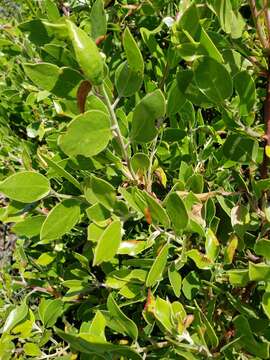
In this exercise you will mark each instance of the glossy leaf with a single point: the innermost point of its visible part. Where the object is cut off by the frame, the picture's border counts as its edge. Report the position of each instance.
(87, 54)
(176, 100)
(31, 349)
(262, 247)
(127, 81)
(266, 303)
(231, 21)
(191, 285)
(202, 261)
(98, 325)
(238, 277)
(129, 74)
(163, 313)
(243, 330)
(210, 332)
(52, 10)
(240, 149)
(15, 317)
(189, 23)
(210, 46)
(61, 171)
(140, 163)
(98, 214)
(133, 247)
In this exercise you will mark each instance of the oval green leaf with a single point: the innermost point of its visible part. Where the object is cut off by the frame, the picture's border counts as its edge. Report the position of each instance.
(26, 186)
(129, 327)
(134, 56)
(127, 81)
(49, 311)
(245, 88)
(175, 280)
(157, 212)
(104, 192)
(259, 272)
(87, 134)
(151, 108)
(61, 219)
(213, 79)
(87, 54)
(98, 19)
(94, 346)
(62, 82)
(140, 163)
(30, 226)
(15, 317)
(177, 212)
(158, 266)
(211, 245)
(108, 243)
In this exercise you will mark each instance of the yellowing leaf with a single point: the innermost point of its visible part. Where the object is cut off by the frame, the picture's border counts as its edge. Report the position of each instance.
(267, 151)
(211, 245)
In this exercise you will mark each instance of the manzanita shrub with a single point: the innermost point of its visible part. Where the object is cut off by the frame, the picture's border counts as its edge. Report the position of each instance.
(135, 138)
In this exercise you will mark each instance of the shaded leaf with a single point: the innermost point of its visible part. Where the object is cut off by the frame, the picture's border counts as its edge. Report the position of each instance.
(128, 326)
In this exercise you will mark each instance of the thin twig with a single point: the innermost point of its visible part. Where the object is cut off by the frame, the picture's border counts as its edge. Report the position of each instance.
(117, 131)
(152, 155)
(160, 345)
(151, 160)
(264, 166)
(164, 77)
(267, 19)
(207, 195)
(254, 61)
(56, 354)
(256, 19)
(116, 102)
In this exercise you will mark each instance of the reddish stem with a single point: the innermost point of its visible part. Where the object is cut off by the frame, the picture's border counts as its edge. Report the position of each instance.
(264, 169)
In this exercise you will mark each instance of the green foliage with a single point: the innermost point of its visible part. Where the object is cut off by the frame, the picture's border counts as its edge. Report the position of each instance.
(134, 180)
